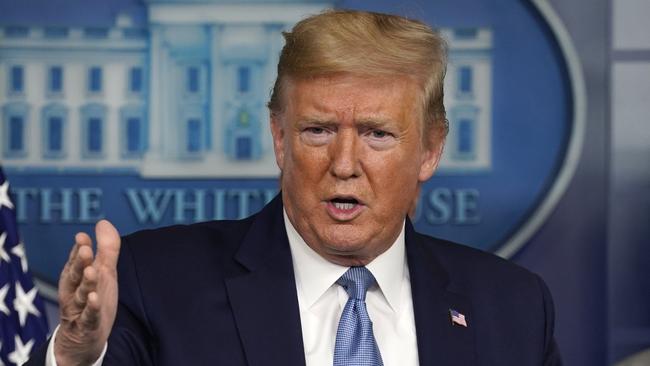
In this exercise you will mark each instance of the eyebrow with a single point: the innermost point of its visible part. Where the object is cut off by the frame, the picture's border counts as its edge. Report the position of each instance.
(316, 121)
(367, 123)
(372, 123)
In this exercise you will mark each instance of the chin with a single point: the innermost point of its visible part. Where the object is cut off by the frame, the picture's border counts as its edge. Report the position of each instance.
(346, 242)
(349, 248)
(344, 237)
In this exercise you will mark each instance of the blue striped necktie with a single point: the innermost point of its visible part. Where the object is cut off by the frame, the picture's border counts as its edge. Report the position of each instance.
(355, 343)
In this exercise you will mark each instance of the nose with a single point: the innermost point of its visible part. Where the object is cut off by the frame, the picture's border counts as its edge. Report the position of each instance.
(345, 155)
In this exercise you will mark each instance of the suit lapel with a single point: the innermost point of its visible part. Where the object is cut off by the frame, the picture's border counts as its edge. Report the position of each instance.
(263, 296)
(440, 342)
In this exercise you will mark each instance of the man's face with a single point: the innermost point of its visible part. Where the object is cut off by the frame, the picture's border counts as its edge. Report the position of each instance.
(352, 158)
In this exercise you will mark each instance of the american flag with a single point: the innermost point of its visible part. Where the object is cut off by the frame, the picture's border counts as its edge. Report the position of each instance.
(23, 325)
(457, 318)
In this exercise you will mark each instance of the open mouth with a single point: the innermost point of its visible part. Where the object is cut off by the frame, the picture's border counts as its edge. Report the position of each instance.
(345, 204)
(345, 208)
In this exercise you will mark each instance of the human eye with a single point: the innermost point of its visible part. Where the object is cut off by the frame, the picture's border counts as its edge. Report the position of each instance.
(380, 139)
(379, 134)
(315, 130)
(316, 135)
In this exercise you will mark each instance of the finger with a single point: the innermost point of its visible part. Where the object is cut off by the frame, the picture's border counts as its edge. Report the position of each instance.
(73, 274)
(90, 315)
(83, 259)
(79, 240)
(108, 244)
(88, 284)
(82, 238)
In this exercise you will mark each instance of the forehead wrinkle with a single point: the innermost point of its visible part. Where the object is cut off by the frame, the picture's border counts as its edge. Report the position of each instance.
(319, 111)
(331, 100)
(363, 114)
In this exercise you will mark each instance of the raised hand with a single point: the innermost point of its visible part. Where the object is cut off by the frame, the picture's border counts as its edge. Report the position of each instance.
(87, 297)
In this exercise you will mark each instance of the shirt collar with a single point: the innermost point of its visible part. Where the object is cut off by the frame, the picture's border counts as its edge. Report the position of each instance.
(314, 274)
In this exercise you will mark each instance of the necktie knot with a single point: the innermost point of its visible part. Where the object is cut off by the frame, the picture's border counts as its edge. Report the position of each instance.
(357, 281)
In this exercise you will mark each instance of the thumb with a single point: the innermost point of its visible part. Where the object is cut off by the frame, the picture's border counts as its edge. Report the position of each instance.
(108, 244)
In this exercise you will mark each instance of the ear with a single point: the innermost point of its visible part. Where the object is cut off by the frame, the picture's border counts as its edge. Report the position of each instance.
(277, 131)
(431, 154)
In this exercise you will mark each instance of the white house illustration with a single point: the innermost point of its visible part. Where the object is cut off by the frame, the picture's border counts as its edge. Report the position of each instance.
(183, 93)
(468, 99)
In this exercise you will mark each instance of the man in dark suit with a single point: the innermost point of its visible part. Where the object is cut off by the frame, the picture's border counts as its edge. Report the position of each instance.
(331, 271)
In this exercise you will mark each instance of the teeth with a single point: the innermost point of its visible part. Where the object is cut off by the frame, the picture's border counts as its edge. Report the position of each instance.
(344, 206)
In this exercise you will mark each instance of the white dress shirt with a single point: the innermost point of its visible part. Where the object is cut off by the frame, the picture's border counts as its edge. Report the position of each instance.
(321, 302)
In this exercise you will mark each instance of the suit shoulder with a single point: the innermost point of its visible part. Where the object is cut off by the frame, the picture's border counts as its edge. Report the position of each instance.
(223, 233)
(471, 267)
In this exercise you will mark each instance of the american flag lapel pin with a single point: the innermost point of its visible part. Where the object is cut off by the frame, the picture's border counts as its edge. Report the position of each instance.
(457, 318)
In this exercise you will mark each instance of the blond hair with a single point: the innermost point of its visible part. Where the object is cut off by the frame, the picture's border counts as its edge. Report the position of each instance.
(368, 44)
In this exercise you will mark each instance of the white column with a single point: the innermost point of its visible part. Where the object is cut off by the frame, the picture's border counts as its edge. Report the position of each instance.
(114, 87)
(216, 84)
(34, 85)
(74, 89)
(155, 94)
(275, 42)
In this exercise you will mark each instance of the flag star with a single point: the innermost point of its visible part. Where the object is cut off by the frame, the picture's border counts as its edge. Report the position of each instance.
(1, 363)
(3, 253)
(19, 251)
(3, 306)
(20, 355)
(24, 303)
(4, 195)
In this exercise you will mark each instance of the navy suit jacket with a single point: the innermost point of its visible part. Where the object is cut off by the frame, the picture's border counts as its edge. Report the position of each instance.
(223, 293)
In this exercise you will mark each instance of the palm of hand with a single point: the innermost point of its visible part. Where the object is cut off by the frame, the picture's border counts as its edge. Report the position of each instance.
(88, 297)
